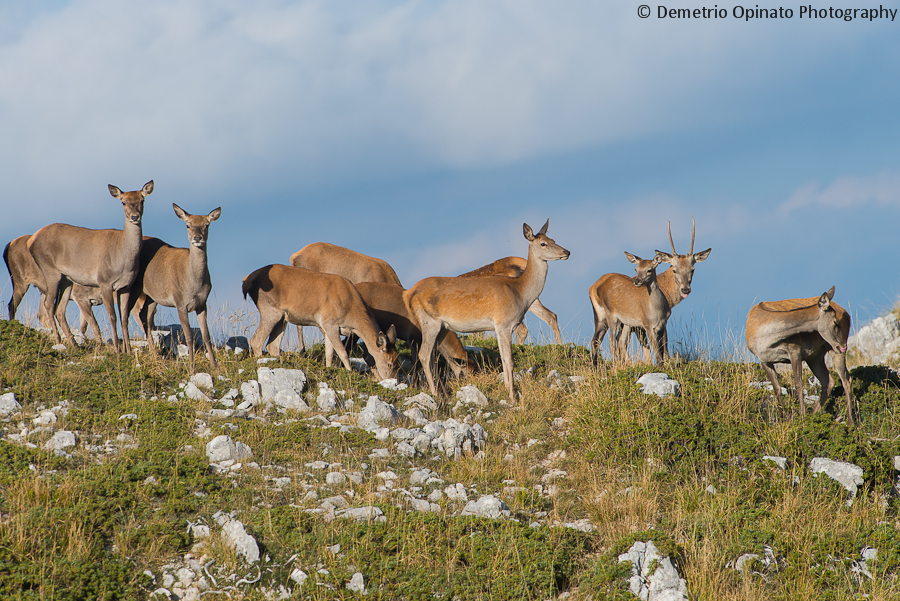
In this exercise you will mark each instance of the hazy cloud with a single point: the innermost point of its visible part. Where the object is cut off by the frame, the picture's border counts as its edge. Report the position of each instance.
(849, 191)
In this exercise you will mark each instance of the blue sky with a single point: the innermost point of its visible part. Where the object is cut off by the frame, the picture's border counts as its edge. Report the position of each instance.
(425, 133)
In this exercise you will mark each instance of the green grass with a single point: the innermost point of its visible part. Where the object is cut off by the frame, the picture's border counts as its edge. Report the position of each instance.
(87, 526)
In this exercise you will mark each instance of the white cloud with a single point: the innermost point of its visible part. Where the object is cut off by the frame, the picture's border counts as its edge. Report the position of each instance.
(847, 192)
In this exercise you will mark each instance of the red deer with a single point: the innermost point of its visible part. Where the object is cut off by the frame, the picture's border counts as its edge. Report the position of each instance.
(513, 267)
(803, 329)
(307, 298)
(356, 267)
(179, 278)
(106, 258)
(387, 306)
(634, 302)
(476, 304)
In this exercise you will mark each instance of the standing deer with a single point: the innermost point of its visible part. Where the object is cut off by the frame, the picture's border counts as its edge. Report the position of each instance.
(675, 284)
(179, 278)
(108, 259)
(476, 304)
(387, 306)
(803, 329)
(634, 302)
(330, 302)
(513, 267)
(356, 267)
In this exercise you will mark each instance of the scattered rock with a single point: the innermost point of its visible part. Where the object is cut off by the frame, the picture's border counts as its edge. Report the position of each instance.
(357, 584)
(8, 404)
(236, 537)
(659, 384)
(846, 474)
(284, 387)
(878, 341)
(223, 448)
(61, 440)
(202, 380)
(487, 506)
(469, 395)
(653, 577)
(376, 411)
(781, 462)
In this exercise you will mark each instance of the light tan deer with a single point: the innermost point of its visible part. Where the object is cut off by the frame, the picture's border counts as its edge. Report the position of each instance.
(24, 272)
(105, 258)
(387, 306)
(179, 278)
(513, 267)
(477, 304)
(636, 302)
(675, 283)
(356, 267)
(329, 302)
(803, 329)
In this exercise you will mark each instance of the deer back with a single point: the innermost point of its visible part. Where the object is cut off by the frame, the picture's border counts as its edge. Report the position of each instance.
(356, 267)
(511, 267)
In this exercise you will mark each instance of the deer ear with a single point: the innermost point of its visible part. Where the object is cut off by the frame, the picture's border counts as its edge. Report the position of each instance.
(182, 214)
(116, 193)
(830, 293)
(214, 214)
(825, 299)
(526, 230)
(543, 231)
(148, 188)
(392, 334)
(631, 257)
(701, 256)
(665, 257)
(381, 342)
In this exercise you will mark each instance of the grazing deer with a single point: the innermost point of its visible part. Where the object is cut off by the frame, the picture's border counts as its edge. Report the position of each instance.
(476, 304)
(387, 306)
(179, 278)
(106, 258)
(803, 329)
(513, 267)
(634, 302)
(307, 298)
(675, 283)
(356, 267)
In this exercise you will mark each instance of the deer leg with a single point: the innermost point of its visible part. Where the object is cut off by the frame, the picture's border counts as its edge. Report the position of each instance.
(600, 329)
(773, 377)
(548, 316)
(50, 300)
(276, 334)
(88, 318)
(840, 366)
(430, 331)
(659, 349)
(504, 336)
(184, 318)
(521, 332)
(204, 331)
(797, 368)
(123, 297)
(267, 322)
(109, 302)
(613, 351)
(820, 371)
(333, 339)
(302, 348)
(64, 292)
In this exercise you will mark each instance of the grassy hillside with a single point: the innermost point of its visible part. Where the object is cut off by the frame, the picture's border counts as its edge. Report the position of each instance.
(586, 467)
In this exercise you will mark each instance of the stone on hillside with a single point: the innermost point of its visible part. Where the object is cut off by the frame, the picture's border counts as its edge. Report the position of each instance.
(357, 584)
(61, 440)
(328, 400)
(459, 438)
(193, 392)
(654, 577)
(423, 401)
(781, 462)
(374, 412)
(878, 341)
(470, 395)
(359, 365)
(283, 387)
(456, 492)
(393, 384)
(236, 537)
(846, 474)
(659, 384)
(8, 404)
(362, 514)
(202, 380)
(223, 448)
(487, 506)
(250, 392)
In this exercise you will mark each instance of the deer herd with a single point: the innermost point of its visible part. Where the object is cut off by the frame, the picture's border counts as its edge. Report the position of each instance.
(344, 293)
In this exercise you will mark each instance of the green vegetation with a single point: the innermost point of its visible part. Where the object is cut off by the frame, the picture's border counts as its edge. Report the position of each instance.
(686, 472)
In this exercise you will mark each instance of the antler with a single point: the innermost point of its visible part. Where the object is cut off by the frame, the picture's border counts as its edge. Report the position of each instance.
(674, 252)
(693, 231)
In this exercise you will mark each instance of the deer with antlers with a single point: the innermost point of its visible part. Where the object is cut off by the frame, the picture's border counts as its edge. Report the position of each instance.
(107, 259)
(636, 302)
(675, 284)
(802, 330)
(476, 304)
(329, 302)
(179, 278)
(513, 267)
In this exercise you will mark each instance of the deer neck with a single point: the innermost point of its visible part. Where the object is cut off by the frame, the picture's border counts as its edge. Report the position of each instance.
(197, 265)
(666, 281)
(796, 321)
(130, 247)
(531, 282)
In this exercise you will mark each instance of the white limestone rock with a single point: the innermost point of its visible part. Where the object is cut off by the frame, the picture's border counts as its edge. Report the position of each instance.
(487, 506)
(236, 537)
(202, 380)
(376, 411)
(878, 341)
(848, 475)
(659, 384)
(61, 440)
(9, 404)
(284, 387)
(223, 448)
(663, 584)
(469, 395)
